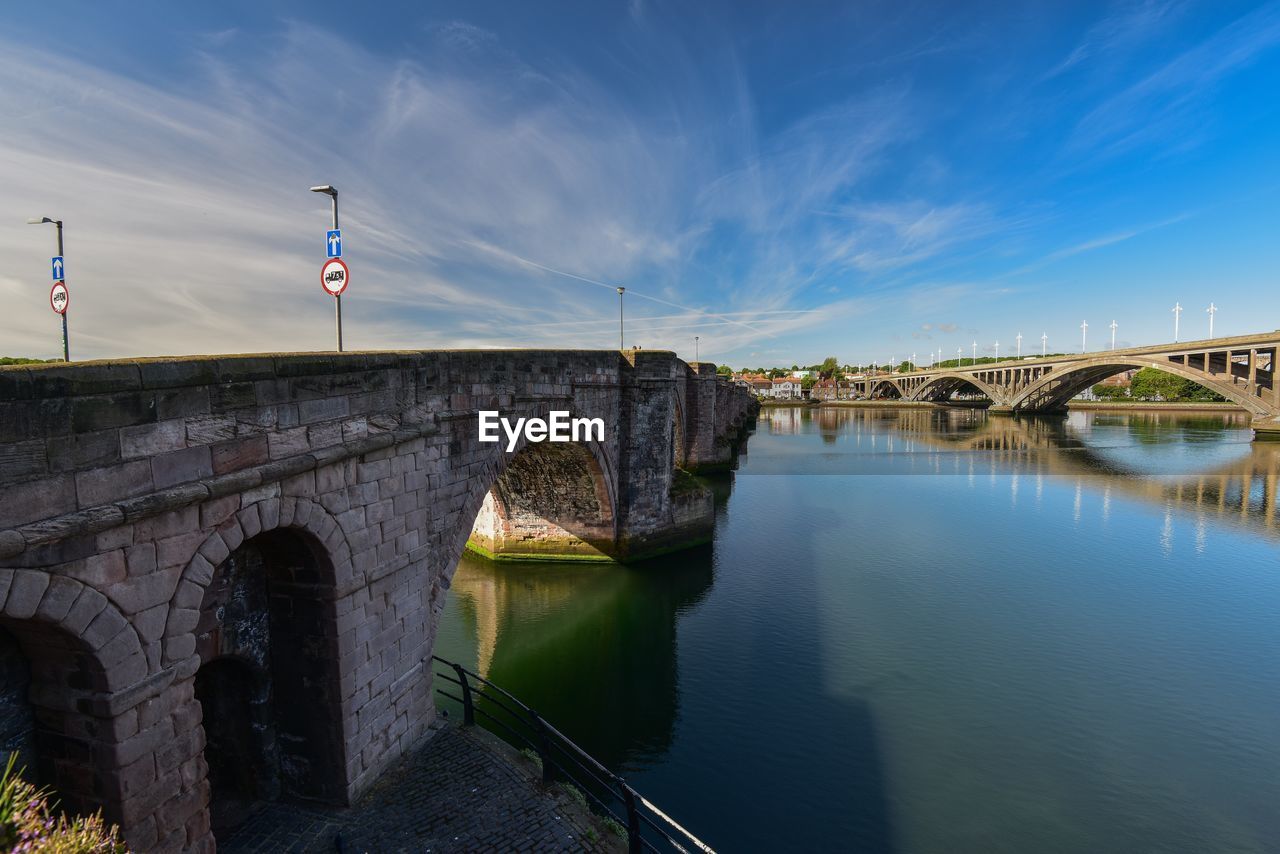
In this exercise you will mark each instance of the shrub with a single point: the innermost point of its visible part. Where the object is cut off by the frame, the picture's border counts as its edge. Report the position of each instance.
(30, 824)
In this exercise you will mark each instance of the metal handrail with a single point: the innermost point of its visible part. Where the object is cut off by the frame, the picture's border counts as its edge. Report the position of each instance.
(636, 813)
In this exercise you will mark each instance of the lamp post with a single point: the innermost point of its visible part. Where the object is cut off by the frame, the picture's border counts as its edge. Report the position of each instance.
(959, 356)
(1177, 315)
(66, 343)
(975, 352)
(1044, 344)
(997, 351)
(621, 338)
(1019, 340)
(1113, 335)
(913, 361)
(332, 193)
(1212, 309)
(1084, 335)
(695, 348)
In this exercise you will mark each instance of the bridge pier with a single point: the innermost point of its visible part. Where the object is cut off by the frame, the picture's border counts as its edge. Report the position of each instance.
(1265, 429)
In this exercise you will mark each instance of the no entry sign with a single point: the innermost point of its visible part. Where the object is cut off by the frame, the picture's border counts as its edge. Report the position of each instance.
(334, 276)
(59, 297)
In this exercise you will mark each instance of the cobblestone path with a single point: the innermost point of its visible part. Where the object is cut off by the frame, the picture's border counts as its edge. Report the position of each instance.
(458, 792)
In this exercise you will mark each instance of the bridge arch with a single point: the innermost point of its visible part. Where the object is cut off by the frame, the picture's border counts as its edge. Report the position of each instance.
(1056, 388)
(885, 389)
(67, 648)
(254, 620)
(554, 500)
(942, 386)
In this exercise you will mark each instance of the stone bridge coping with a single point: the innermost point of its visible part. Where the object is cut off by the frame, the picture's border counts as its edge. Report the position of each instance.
(1267, 339)
(101, 376)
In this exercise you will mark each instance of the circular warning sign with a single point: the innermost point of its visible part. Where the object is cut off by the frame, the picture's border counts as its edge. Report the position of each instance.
(334, 276)
(59, 297)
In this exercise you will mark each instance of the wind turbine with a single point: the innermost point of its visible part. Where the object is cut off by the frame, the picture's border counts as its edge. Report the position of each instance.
(1177, 315)
(1212, 309)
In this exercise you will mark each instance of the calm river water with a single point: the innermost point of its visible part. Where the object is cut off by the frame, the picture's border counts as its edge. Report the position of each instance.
(931, 631)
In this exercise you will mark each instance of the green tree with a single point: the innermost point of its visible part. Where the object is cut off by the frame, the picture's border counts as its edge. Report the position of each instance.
(1153, 384)
(829, 367)
(1110, 392)
(808, 382)
(724, 370)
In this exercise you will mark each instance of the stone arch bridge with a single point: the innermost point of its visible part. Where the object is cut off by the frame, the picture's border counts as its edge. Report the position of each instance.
(1241, 369)
(220, 578)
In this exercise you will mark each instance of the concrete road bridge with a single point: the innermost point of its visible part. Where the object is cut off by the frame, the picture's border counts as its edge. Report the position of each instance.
(221, 577)
(1241, 369)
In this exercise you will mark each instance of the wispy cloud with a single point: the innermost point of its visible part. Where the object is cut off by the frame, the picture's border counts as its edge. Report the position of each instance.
(1165, 104)
(1127, 26)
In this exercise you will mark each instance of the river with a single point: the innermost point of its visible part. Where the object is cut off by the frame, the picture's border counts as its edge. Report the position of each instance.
(927, 630)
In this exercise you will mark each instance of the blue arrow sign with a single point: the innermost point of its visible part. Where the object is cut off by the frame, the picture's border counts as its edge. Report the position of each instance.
(59, 269)
(334, 240)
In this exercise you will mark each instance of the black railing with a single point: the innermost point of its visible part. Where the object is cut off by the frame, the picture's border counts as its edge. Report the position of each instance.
(647, 827)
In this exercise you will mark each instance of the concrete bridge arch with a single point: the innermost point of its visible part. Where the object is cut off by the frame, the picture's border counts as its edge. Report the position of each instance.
(942, 386)
(1056, 388)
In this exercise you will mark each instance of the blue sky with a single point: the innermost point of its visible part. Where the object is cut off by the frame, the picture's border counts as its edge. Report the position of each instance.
(786, 181)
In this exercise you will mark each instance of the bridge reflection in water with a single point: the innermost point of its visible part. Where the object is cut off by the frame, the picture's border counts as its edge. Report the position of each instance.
(586, 629)
(1202, 463)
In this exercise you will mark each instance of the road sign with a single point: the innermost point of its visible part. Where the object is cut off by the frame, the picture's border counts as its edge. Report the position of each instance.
(334, 276)
(59, 268)
(59, 297)
(333, 240)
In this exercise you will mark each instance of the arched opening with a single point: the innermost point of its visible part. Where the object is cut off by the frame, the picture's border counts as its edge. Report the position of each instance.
(17, 717)
(952, 388)
(49, 680)
(551, 502)
(267, 684)
(885, 390)
(1055, 391)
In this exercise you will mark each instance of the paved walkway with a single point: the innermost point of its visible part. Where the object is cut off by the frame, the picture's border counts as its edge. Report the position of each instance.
(460, 791)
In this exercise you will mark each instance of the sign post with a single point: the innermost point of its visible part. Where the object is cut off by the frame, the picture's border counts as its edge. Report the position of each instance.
(334, 275)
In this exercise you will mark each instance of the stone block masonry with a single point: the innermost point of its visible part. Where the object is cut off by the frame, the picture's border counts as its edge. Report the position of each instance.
(220, 577)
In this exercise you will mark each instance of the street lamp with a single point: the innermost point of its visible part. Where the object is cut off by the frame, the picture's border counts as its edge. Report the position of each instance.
(1177, 315)
(997, 351)
(66, 343)
(1113, 335)
(1084, 333)
(959, 356)
(1212, 309)
(1044, 344)
(332, 193)
(695, 348)
(1019, 340)
(621, 339)
(975, 352)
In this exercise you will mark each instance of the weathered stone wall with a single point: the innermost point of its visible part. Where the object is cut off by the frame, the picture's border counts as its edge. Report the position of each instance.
(135, 492)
